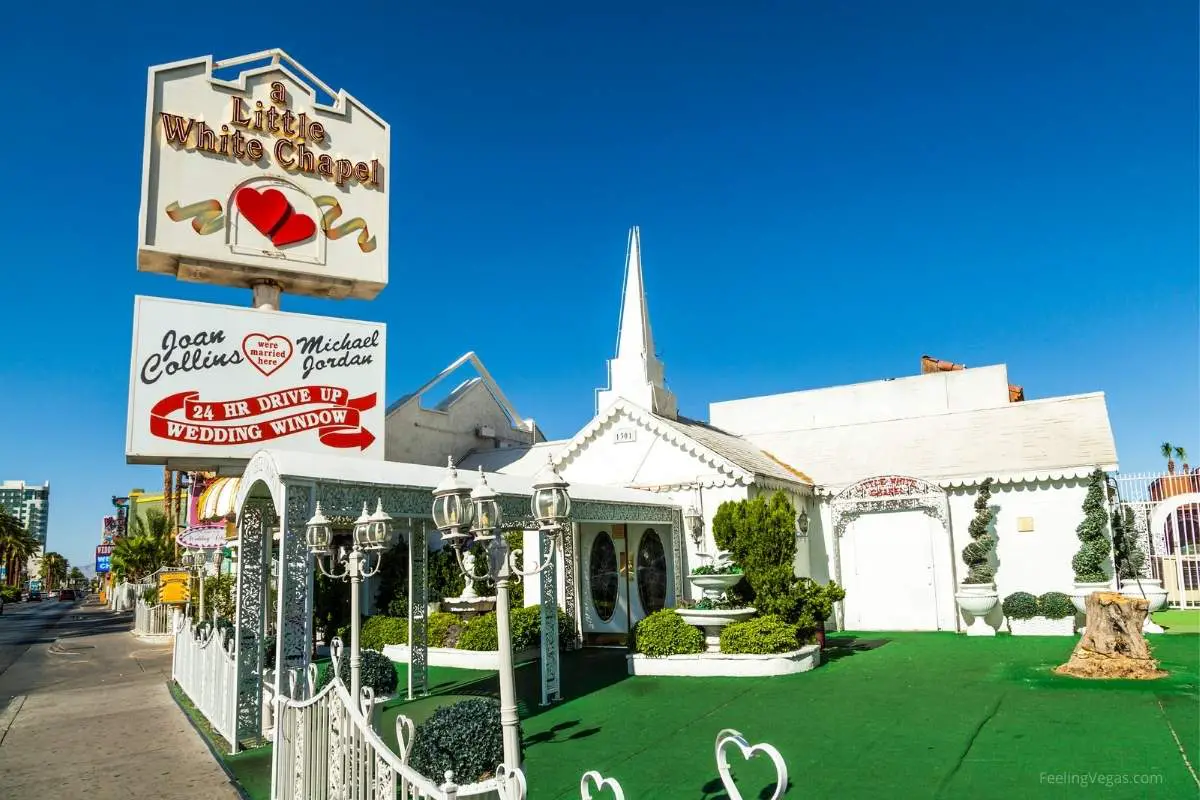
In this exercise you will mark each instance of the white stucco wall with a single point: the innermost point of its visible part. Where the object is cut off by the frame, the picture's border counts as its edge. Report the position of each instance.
(1036, 562)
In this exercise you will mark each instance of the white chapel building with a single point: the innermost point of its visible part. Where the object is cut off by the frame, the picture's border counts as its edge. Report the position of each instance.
(882, 475)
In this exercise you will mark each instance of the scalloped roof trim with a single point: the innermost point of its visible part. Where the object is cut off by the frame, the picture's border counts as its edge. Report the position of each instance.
(646, 420)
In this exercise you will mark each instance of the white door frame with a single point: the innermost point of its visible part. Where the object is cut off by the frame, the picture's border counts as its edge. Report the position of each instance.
(628, 610)
(891, 493)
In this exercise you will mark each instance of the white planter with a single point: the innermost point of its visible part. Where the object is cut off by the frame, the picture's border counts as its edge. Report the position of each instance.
(1081, 591)
(977, 599)
(727, 665)
(711, 621)
(460, 659)
(1151, 590)
(714, 586)
(1042, 626)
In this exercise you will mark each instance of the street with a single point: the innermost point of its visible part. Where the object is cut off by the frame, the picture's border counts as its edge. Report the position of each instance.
(74, 680)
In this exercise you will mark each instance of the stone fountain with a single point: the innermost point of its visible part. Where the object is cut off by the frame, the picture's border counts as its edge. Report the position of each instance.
(713, 586)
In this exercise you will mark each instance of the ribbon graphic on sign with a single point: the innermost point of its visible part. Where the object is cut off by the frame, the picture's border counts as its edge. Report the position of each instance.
(205, 215)
(366, 242)
(338, 423)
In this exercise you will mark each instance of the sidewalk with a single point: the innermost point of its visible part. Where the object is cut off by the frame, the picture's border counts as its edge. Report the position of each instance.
(90, 716)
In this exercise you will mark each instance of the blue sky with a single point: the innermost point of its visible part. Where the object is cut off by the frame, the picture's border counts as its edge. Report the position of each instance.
(826, 191)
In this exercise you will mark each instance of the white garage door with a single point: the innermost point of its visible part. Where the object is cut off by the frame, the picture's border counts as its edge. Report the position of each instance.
(888, 572)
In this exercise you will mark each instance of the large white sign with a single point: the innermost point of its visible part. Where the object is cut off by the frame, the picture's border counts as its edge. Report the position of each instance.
(213, 384)
(256, 178)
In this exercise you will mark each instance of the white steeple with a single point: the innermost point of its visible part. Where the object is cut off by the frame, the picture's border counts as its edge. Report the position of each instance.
(636, 374)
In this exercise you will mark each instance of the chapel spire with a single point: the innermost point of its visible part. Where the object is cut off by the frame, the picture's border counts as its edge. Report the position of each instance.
(636, 374)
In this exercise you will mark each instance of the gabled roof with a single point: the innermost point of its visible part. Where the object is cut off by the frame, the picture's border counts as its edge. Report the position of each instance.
(484, 376)
(734, 460)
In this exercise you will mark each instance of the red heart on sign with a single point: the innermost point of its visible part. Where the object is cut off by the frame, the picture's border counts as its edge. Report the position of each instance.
(296, 228)
(274, 217)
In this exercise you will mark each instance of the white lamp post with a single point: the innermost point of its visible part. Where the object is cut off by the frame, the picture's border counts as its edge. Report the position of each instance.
(465, 516)
(351, 558)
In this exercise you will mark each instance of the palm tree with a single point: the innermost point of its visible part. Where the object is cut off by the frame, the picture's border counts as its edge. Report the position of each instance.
(1168, 451)
(16, 546)
(1181, 454)
(54, 570)
(149, 546)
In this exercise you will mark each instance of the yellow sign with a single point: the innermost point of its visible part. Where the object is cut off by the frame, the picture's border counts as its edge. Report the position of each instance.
(174, 587)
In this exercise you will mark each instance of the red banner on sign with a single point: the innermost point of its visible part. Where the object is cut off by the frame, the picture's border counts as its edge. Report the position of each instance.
(337, 423)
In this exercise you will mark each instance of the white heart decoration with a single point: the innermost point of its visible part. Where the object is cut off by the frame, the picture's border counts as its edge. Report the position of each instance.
(729, 737)
(510, 783)
(593, 780)
(405, 735)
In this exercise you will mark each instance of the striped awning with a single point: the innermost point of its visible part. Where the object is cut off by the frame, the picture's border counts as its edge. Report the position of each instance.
(216, 501)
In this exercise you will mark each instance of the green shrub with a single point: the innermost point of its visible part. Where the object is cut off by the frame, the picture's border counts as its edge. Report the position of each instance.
(761, 635)
(443, 629)
(760, 534)
(465, 737)
(975, 554)
(480, 633)
(664, 633)
(1055, 605)
(1088, 563)
(376, 671)
(1020, 605)
(1127, 551)
(10, 594)
(379, 631)
(150, 596)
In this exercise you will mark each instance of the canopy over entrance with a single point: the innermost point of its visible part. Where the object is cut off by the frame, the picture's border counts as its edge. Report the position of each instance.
(279, 490)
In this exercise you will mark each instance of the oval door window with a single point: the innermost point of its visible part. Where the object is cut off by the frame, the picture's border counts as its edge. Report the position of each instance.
(651, 572)
(602, 576)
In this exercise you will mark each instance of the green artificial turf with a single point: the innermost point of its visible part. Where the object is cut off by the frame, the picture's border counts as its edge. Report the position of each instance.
(1177, 621)
(895, 715)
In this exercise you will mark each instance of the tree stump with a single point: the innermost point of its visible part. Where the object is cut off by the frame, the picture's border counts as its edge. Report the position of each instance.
(1112, 645)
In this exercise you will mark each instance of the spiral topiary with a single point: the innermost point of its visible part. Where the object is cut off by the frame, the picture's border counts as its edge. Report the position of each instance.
(1088, 563)
(1127, 552)
(975, 554)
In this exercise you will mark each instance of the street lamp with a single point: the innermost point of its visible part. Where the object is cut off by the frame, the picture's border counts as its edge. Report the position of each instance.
(352, 558)
(465, 516)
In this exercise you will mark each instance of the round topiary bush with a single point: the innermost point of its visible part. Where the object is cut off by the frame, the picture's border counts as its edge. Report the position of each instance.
(377, 671)
(465, 738)
(760, 635)
(664, 633)
(1055, 605)
(1020, 605)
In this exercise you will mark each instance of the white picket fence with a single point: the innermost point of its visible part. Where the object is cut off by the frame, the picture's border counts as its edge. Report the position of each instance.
(125, 596)
(326, 747)
(206, 671)
(157, 620)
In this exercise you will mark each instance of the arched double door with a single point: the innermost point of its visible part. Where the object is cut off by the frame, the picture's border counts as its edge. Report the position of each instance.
(625, 575)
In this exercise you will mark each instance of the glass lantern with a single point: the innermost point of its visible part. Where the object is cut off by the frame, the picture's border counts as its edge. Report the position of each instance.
(551, 505)
(486, 511)
(319, 536)
(452, 507)
(362, 526)
(377, 530)
(693, 521)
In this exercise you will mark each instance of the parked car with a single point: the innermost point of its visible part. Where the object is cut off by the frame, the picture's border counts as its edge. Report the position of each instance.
(67, 595)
